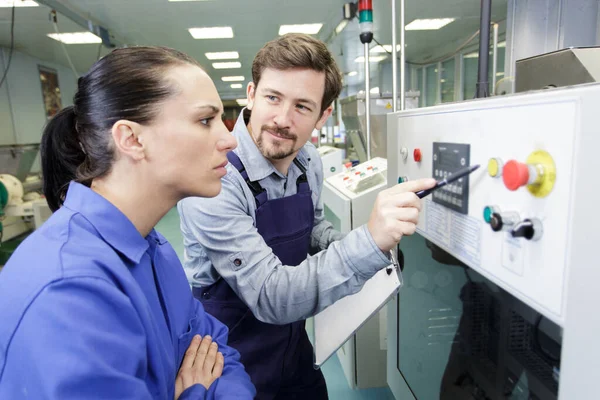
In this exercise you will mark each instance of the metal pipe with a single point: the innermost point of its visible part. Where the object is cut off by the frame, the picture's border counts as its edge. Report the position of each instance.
(394, 60)
(108, 39)
(368, 99)
(438, 95)
(494, 59)
(484, 48)
(402, 57)
(13, 118)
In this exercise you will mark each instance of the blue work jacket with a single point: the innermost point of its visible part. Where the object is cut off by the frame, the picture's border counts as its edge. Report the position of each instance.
(90, 309)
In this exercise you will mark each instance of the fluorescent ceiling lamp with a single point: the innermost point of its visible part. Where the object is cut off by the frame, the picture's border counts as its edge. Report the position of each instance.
(220, 32)
(233, 79)
(353, 73)
(502, 44)
(341, 26)
(223, 55)
(309, 29)
(499, 73)
(236, 86)
(372, 59)
(18, 3)
(227, 65)
(242, 102)
(387, 48)
(76, 37)
(374, 90)
(428, 24)
(472, 55)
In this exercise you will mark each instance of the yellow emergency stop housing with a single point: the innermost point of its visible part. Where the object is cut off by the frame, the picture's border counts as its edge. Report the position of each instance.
(546, 169)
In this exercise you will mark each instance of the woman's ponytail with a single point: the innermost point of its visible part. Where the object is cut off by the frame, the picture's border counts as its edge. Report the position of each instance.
(61, 154)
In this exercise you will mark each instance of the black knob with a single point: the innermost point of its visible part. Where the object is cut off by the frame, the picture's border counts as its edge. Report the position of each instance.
(524, 229)
(496, 222)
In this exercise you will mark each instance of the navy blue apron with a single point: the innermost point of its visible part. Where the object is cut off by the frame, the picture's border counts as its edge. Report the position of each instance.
(278, 358)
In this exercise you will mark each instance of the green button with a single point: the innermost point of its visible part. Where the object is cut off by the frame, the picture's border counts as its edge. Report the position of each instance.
(400, 180)
(487, 214)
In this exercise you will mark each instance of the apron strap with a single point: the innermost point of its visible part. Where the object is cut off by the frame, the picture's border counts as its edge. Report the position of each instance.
(302, 181)
(259, 193)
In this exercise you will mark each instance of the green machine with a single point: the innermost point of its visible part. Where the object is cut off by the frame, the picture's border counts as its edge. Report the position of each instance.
(22, 206)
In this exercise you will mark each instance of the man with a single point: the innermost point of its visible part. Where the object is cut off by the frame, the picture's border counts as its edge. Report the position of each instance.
(246, 250)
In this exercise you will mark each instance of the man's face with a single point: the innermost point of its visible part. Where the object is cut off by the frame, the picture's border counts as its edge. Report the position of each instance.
(286, 108)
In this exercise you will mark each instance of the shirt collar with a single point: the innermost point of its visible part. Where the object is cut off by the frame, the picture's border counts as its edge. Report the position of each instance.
(112, 225)
(257, 166)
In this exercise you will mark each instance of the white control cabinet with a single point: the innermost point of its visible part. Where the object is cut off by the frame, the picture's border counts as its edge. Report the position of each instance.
(333, 160)
(527, 220)
(348, 198)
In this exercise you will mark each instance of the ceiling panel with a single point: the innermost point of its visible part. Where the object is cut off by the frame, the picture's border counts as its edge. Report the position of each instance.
(160, 22)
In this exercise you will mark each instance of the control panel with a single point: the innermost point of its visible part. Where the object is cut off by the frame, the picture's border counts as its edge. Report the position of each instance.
(360, 178)
(510, 221)
(447, 159)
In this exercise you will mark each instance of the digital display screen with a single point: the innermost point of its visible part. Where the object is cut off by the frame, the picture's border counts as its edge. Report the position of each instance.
(448, 158)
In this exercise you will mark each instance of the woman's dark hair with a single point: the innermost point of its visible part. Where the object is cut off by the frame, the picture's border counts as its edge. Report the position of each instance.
(126, 84)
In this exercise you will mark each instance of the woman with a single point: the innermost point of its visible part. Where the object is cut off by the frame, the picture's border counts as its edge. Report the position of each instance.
(95, 303)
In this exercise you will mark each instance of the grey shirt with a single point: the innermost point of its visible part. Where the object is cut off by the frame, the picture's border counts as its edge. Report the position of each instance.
(218, 231)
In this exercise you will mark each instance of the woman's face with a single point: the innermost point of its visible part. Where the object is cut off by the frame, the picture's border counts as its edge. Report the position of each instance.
(189, 141)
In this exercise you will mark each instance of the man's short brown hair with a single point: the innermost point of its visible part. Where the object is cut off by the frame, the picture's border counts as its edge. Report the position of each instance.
(295, 50)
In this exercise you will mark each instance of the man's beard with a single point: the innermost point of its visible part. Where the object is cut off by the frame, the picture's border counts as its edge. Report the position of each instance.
(276, 152)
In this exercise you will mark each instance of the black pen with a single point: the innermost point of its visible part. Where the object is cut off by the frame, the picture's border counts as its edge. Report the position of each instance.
(455, 176)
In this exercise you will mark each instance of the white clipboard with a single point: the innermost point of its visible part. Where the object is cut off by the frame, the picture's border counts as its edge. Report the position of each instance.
(338, 322)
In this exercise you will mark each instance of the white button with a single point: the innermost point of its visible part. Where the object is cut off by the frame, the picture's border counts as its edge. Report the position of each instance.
(463, 162)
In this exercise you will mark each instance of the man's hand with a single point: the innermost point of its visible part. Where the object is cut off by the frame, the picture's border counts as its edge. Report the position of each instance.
(396, 213)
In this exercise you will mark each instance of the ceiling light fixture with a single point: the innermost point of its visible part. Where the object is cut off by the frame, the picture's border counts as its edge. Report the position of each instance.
(18, 3)
(75, 37)
(341, 26)
(309, 29)
(428, 24)
(223, 55)
(227, 65)
(233, 79)
(236, 86)
(219, 32)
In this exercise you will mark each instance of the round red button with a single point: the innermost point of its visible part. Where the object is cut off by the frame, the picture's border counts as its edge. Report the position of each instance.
(417, 155)
(515, 174)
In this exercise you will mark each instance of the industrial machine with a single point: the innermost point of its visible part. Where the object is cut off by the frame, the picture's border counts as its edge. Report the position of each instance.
(348, 199)
(333, 160)
(354, 118)
(500, 280)
(566, 67)
(22, 207)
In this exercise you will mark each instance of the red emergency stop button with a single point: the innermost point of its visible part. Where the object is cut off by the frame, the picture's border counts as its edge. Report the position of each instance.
(515, 174)
(417, 155)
